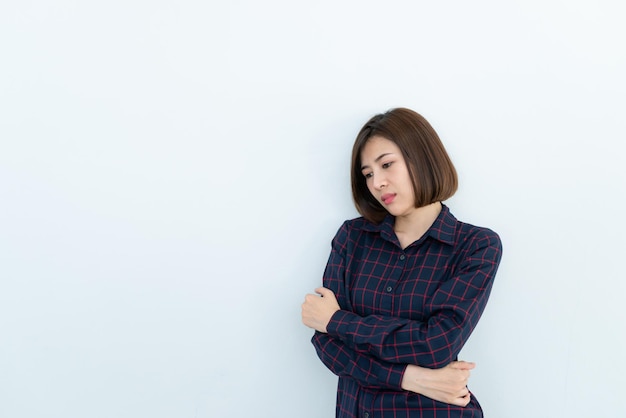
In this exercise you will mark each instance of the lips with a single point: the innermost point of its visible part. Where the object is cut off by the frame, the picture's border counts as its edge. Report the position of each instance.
(387, 198)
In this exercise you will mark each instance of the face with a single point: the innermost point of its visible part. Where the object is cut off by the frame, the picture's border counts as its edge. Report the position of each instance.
(387, 176)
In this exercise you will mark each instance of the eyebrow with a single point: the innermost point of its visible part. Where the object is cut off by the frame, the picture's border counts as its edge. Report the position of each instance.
(363, 167)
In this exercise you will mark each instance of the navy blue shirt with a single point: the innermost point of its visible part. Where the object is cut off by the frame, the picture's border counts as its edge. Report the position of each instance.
(416, 305)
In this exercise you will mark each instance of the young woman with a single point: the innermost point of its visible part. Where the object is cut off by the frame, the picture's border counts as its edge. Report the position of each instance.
(405, 283)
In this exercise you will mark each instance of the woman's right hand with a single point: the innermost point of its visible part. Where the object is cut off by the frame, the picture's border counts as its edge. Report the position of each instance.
(448, 384)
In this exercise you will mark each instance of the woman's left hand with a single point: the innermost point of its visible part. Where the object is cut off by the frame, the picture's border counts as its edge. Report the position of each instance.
(317, 310)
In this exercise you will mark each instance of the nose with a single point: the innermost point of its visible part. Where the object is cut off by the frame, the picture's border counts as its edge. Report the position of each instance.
(379, 181)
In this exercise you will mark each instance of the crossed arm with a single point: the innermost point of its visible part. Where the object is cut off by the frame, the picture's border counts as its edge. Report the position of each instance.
(447, 384)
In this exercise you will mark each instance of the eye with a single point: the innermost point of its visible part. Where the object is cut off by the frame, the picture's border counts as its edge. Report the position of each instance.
(368, 175)
(387, 165)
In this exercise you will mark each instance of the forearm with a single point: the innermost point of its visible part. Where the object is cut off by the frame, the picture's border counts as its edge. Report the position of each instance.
(448, 384)
(434, 343)
(369, 371)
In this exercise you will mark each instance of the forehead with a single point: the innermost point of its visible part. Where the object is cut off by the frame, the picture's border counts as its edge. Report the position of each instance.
(377, 146)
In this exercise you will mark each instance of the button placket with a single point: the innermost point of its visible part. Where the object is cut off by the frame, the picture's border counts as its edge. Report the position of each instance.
(402, 257)
(389, 286)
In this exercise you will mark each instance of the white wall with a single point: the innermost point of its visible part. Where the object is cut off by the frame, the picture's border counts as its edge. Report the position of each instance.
(171, 174)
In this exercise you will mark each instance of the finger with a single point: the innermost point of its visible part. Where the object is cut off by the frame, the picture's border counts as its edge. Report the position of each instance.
(463, 401)
(324, 291)
(462, 365)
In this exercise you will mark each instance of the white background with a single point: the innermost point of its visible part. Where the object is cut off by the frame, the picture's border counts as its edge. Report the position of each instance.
(171, 174)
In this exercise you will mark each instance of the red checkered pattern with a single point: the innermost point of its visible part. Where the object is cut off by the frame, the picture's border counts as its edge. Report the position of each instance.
(416, 305)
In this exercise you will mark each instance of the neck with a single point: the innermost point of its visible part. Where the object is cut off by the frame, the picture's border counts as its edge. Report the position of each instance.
(410, 227)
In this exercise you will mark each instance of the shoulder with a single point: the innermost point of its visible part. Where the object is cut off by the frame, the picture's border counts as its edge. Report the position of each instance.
(351, 226)
(351, 229)
(475, 240)
(467, 231)
(358, 224)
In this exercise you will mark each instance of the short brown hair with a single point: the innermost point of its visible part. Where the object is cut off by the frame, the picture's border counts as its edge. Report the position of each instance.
(432, 173)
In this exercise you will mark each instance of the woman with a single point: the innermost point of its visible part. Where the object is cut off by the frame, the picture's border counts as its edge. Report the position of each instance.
(405, 283)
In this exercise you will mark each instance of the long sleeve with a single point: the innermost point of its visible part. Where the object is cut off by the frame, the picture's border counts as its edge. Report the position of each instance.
(455, 308)
(362, 367)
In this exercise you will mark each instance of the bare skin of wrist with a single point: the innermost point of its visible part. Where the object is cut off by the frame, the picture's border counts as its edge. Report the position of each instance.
(448, 384)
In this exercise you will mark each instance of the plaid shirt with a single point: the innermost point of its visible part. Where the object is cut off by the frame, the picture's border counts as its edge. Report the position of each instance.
(413, 306)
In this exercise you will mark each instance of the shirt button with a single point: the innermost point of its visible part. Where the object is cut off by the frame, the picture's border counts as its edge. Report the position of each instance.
(366, 415)
(402, 257)
(389, 289)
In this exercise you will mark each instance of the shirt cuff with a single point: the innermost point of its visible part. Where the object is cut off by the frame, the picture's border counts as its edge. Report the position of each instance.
(339, 324)
(396, 374)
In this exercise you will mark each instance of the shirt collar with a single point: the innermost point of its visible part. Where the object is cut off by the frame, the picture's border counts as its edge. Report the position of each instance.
(443, 229)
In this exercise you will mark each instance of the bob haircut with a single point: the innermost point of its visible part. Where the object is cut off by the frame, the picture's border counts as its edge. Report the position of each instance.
(432, 173)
